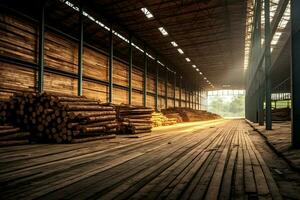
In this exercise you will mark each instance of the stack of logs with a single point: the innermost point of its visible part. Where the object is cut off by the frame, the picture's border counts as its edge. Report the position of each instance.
(159, 119)
(10, 135)
(190, 115)
(60, 118)
(134, 119)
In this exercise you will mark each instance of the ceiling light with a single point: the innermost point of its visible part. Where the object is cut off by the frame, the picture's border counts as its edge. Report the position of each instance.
(180, 51)
(197, 70)
(163, 31)
(200, 73)
(188, 60)
(174, 44)
(205, 78)
(194, 66)
(147, 13)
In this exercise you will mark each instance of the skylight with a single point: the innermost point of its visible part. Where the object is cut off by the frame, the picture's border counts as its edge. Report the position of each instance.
(174, 44)
(163, 31)
(147, 13)
(180, 51)
(188, 60)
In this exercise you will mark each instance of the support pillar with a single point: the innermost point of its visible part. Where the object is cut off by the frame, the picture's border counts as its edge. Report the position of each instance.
(180, 90)
(41, 49)
(145, 79)
(166, 90)
(295, 72)
(80, 50)
(156, 87)
(130, 72)
(174, 95)
(110, 66)
(268, 65)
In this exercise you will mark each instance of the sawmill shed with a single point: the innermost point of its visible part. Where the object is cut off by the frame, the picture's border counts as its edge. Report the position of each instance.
(156, 99)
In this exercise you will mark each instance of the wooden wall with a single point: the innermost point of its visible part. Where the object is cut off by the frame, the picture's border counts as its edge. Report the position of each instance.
(19, 41)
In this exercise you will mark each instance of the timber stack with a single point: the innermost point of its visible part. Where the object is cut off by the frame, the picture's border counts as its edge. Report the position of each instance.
(190, 115)
(159, 119)
(134, 119)
(61, 118)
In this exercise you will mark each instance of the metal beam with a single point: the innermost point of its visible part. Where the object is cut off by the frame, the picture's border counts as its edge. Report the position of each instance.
(110, 66)
(268, 65)
(41, 48)
(295, 72)
(145, 78)
(130, 72)
(80, 50)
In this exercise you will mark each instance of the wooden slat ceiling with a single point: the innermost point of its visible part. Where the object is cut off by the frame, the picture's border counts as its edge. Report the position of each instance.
(210, 32)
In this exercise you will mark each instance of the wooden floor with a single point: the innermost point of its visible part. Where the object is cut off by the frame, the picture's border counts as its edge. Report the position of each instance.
(280, 139)
(199, 160)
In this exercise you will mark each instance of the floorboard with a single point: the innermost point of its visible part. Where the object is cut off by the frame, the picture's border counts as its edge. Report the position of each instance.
(199, 160)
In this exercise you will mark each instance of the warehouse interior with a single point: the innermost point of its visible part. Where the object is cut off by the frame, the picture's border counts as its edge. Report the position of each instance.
(160, 99)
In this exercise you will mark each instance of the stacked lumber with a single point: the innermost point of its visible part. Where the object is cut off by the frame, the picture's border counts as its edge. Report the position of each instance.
(134, 119)
(281, 114)
(190, 115)
(10, 135)
(61, 118)
(159, 119)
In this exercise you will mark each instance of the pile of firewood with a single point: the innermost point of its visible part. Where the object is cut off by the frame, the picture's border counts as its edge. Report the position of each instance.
(10, 135)
(60, 118)
(134, 119)
(159, 119)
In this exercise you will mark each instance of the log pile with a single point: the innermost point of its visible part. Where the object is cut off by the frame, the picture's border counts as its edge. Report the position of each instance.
(134, 119)
(159, 119)
(10, 135)
(60, 118)
(190, 115)
(281, 114)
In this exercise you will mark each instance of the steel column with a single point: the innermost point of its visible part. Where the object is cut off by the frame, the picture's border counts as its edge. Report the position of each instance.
(145, 79)
(186, 95)
(41, 48)
(174, 95)
(110, 66)
(80, 50)
(295, 72)
(166, 89)
(130, 72)
(180, 90)
(268, 65)
(156, 86)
